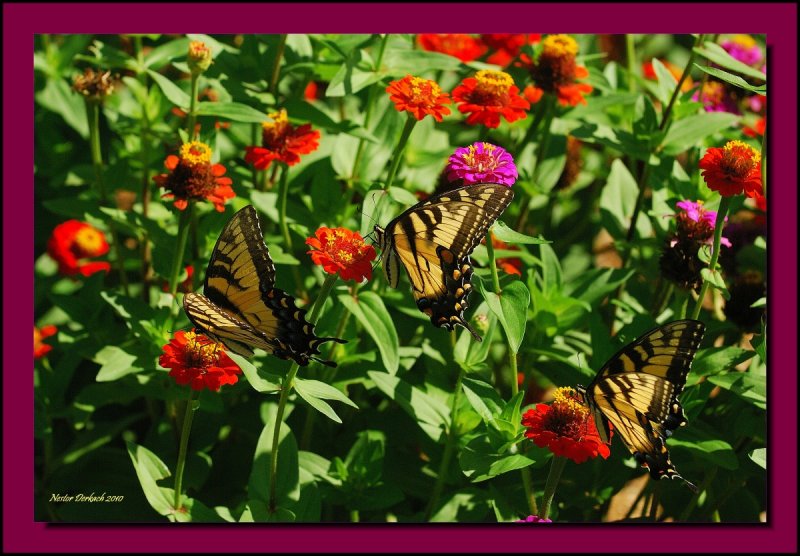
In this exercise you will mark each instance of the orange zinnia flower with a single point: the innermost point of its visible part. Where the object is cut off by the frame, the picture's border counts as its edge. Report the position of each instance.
(193, 177)
(565, 428)
(282, 141)
(464, 47)
(419, 97)
(733, 169)
(198, 361)
(73, 241)
(507, 46)
(343, 252)
(40, 349)
(650, 73)
(556, 72)
(489, 95)
(509, 265)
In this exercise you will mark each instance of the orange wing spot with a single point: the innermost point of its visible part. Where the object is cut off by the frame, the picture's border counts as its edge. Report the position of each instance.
(447, 256)
(465, 268)
(456, 275)
(467, 287)
(457, 306)
(455, 318)
(428, 312)
(459, 292)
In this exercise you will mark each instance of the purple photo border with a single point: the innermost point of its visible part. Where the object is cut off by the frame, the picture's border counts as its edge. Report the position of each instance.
(22, 21)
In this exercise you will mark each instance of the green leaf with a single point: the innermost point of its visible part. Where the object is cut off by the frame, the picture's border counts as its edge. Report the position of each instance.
(483, 397)
(165, 53)
(115, 363)
(617, 202)
(716, 451)
(173, 93)
(716, 281)
(593, 285)
(423, 408)
(502, 232)
(469, 354)
(734, 80)
(399, 62)
(551, 269)
(150, 469)
(58, 97)
(373, 316)
(511, 308)
(314, 391)
(666, 81)
(712, 361)
(235, 111)
(479, 461)
(749, 386)
(259, 383)
(692, 130)
(715, 53)
(287, 469)
(759, 457)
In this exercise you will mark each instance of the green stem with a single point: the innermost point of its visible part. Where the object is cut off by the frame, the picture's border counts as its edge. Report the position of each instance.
(654, 502)
(354, 516)
(687, 512)
(527, 485)
(283, 193)
(764, 164)
(185, 430)
(493, 264)
(556, 467)
(397, 155)
(630, 55)
(144, 139)
(722, 212)
(668, 111)
(373, 90)
(546, 114)
(255, 139)
(177, 262)
(192, 116)
(93, 114)
(276, 68)
(449, 448)
(286, 388)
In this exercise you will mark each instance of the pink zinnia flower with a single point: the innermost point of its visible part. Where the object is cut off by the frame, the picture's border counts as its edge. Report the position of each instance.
(481, 163)
(743, 48)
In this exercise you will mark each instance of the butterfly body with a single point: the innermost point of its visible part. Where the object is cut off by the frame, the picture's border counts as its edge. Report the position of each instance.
(637, 391)
(242, 308)
(433, 240)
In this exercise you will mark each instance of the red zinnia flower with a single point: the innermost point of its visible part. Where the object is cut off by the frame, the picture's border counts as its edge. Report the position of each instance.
(343, 252)
(489, 95)
(565, 427)
(192, 176)
(733, 169)
(507, 46)
(282, 141)
(759, 128)
(74, 240)
(40, 349)
(419, 97)
(464, 47)
(198, 361)
(556, 72)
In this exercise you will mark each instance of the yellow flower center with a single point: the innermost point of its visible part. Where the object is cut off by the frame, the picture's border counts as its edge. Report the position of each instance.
(198, 49)
(195, 153)
(481, 162)
(279, 119)
(424, 89)
(89, 240)
(567, 400)
(559, 45)
(199, 354)
(495, 82)
(742, 150)
(344, 256)
(745, 41)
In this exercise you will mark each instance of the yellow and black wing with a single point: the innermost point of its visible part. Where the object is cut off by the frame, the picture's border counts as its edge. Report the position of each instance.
(433, 240)
(637, 391)
(241, 307)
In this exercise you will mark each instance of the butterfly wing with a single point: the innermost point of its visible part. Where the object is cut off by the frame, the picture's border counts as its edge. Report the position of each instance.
(638, 388)
(240, 285)
(433, 240)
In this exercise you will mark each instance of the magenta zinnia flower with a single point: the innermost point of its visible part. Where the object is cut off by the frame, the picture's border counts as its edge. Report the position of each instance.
(481, 163)
(534, 519)
(744, 49)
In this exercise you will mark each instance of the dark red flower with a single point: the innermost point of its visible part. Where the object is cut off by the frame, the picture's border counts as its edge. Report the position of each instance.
(464, 47)
(555, 71)
(489, 95)
(40, 349)
(198, 361)
(419, 97)
(72, 242)
(343, 252)
(193, 177)
(565, 427)
(733, 169)
(282, 141)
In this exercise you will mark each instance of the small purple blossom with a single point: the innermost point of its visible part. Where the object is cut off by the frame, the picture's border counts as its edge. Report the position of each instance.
(744, 49)
(534, 519)
(481, 163)
(707, 219)
(716, 98)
